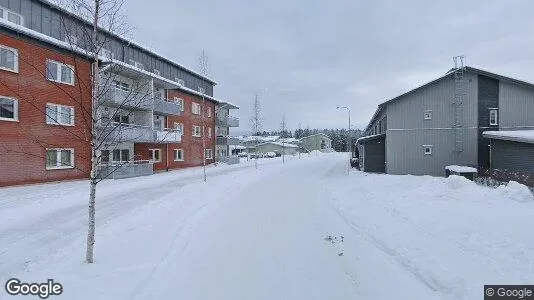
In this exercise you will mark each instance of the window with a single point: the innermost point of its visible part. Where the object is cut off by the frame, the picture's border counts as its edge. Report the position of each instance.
(104, 156)
(427, 115)
(59, 72)
(178, 155)
(9, 109)
(195, 108)
(158, 123)
(201, 90)
(494, 116)
(208, 112)
(11, 16)
(209, 132)
(208, 153)
(180, 102)
(121, 119)
(197, 131)
(121, 155)
(155, 155)
(59, 114)
(156, 71)
(428, 149)
(179, 127)
(121, 85)
(136, 64)
(9, 59)
(180, 81)
(59, 159)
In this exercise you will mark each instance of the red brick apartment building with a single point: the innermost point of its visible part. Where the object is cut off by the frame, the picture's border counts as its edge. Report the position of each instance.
(151, 114)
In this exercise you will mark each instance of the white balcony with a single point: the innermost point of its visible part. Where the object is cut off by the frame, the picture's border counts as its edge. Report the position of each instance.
(227, 121)
(121, 132)
(166, 107)
(115, 97)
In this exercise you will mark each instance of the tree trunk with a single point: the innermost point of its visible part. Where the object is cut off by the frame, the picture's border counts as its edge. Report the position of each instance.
(91, 231)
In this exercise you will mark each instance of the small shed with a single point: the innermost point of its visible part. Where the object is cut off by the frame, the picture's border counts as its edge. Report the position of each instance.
(465, 171)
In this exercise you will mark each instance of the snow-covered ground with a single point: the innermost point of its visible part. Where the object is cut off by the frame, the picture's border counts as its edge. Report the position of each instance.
(299, 230)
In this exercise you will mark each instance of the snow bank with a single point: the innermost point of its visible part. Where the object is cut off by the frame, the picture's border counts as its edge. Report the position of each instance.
(316, 152)
(450, 233)
(516, 191)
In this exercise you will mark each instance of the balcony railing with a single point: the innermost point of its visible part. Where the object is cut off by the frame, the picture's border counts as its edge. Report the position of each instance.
(166, 107)
(117, 170)
(121, 132)
(227, 121)
(221, 140)
(116, 97)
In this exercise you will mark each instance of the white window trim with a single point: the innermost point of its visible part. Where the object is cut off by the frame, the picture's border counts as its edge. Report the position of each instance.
(209, 132)
(427, 147)
(152, 152)
(137, 64)
(206, 156)
(208, 112)
(496, 110)
(429, 112)
(195, 130)
(120, 156)
(16, 70)
(181, 150)
(15, 110)
(201, 90)
(180, 82)
(58, 158)
(59, 65)
(181, 101)
(195, 104)
(157, 72)
(56, 118)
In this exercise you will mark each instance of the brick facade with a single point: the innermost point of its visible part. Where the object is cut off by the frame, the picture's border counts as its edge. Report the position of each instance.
(23, 143)
(192, 146)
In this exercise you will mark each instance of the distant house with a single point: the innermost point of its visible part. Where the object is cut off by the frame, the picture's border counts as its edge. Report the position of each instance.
(447, 122)
(289, 141)
(288, 149)
(319, 141)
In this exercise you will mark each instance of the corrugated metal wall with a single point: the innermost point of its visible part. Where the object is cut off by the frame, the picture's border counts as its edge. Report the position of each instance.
(408, 131)
(513, 156)
(488, 97)
(516, 106)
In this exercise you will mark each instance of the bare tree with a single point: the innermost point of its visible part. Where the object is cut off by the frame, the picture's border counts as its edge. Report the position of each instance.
(100, 126)
(256, 123)
(283, 129)
(203, 64)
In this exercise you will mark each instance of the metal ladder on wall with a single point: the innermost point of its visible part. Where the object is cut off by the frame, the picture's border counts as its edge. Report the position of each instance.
(460, 94)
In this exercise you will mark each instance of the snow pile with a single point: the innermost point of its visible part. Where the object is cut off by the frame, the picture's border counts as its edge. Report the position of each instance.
(516, 191)
(450, 233)
(316, 152)
(457, 182)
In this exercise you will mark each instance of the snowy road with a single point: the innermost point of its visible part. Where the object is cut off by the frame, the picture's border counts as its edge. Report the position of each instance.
(259, 234)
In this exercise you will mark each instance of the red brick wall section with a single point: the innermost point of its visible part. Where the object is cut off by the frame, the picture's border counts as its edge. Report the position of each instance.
(23, 143)
(192, 146)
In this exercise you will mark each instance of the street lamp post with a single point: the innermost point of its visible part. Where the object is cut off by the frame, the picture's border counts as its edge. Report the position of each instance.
(349, 142)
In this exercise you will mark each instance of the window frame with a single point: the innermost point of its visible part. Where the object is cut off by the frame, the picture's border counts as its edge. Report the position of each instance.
(58, 107)
(121, 152)
(157, 72)
(59, 69)
(16, 53)
(180, 81)
(136, 64)
(15, 110)
(181, 101)
(195, 127)
(202, 90)
(496, 111)
(5, 15)
(425, 147)
(206, 151)
(58, 158)
(180, 128)
(152, 154)
(429, 117)
(208, 112)
(195, 104)
(182, 152)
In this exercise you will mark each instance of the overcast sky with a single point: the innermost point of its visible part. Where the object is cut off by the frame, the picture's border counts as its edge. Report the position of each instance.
(305, 57)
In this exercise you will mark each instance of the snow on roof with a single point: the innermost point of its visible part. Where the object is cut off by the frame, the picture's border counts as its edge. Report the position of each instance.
(289, 140)
(524, 136)
(364, 138)
(284, 145)
(461, 169)
(316, 134)
(237, 147)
